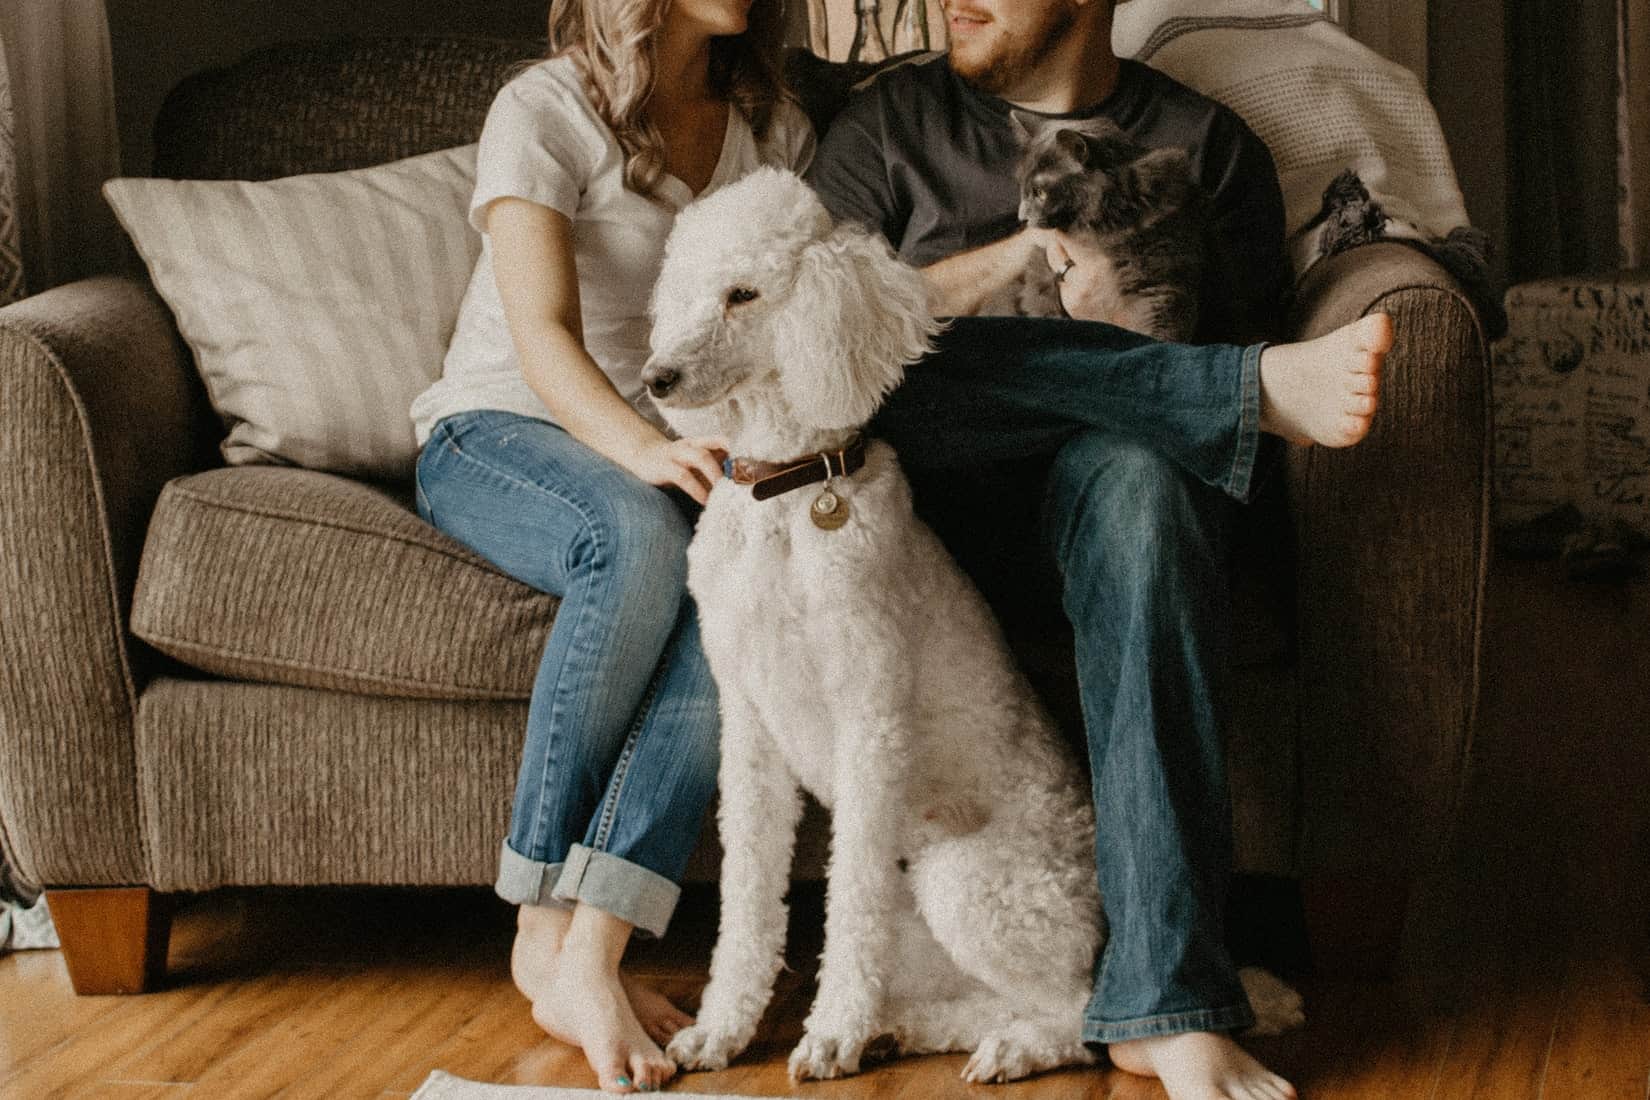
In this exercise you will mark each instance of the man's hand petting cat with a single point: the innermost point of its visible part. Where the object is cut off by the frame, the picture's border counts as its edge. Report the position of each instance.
(1088, 288)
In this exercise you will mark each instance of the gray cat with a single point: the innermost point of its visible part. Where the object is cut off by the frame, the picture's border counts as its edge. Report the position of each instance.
(1137, 205)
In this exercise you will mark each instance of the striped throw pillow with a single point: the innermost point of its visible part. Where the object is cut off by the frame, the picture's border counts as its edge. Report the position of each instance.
(317, 306)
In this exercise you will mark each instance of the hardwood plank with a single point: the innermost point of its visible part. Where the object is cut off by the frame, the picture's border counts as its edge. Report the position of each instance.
(1601, 1046)
(238, 1015)
(398, 1048)
(493, 1042)
(83, 1058)
(302, 1042)
(38, 1009)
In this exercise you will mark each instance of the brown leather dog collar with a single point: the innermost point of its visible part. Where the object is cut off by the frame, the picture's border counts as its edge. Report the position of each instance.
(769, 479)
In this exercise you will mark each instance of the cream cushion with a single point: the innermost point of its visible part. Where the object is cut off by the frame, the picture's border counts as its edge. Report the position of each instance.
(317, 306)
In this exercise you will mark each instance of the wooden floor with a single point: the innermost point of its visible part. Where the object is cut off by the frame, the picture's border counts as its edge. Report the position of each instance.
(1527, 973)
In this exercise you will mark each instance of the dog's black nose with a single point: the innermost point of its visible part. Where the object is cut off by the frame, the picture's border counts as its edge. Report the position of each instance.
(660, 382)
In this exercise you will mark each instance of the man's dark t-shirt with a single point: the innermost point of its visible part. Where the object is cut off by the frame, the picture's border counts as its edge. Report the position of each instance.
(928, 160)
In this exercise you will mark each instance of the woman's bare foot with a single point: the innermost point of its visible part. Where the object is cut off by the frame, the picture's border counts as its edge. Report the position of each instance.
(540, 930)
(579, 997)
(1200, 1065)
(1325, 390)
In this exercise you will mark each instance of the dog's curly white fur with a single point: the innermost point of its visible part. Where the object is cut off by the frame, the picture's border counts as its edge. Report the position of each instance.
(859, 664)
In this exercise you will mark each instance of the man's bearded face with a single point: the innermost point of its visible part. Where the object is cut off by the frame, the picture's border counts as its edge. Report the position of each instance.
(995, 43)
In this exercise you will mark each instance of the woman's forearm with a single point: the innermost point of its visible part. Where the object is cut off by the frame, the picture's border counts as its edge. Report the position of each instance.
(579, 396)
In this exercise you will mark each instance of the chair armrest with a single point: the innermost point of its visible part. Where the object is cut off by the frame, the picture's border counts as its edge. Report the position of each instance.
(99, 407)
(1392, 537)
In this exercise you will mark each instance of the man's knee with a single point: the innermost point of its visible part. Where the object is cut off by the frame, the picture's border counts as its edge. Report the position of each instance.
(1114, 502)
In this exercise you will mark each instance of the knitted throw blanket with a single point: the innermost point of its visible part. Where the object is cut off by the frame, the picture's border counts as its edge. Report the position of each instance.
(1322, 102)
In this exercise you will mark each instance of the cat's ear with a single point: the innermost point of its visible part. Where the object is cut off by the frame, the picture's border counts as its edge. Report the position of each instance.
(1073, 145)
(1162, 176)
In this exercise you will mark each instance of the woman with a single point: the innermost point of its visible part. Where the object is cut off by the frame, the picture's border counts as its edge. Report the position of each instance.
(541, 452)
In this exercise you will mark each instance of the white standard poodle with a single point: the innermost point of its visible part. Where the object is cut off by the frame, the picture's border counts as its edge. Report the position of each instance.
(855, 661)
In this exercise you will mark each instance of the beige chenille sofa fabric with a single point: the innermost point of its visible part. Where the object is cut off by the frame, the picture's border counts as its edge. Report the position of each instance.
(303, 578)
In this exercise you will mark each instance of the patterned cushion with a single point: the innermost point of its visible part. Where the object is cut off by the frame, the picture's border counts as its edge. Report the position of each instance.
(296, 577)
(317, 306)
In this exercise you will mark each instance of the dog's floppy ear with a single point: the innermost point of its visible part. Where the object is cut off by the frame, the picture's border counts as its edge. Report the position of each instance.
(858, 316)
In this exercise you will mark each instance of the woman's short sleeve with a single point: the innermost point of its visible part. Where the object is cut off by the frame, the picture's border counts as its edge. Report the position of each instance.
(539, 143)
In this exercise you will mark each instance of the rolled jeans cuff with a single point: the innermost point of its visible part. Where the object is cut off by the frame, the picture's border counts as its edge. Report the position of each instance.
(523, 881)
(1240, 479)
(1230, 1018)
(627, 890)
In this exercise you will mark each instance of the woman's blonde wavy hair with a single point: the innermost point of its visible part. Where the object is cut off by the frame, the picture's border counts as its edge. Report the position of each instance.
(612, 42)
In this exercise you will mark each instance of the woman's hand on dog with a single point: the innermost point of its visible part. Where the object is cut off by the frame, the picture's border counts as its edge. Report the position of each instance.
(691, 465)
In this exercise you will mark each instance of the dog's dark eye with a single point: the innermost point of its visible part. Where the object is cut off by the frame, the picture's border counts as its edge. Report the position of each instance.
(739, 295)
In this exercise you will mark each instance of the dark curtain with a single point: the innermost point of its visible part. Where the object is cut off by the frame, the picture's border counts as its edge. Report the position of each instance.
(1561, 136)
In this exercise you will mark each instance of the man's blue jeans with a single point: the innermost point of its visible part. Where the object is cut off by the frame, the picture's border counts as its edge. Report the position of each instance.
(1137, 452)
(619, 760)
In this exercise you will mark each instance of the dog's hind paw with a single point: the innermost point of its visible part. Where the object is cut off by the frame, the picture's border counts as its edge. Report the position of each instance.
(997, 1060)
(700, 1047)
(1278, 1007)
(818, 1057)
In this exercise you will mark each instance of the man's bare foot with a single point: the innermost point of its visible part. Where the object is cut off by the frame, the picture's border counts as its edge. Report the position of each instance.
(1200, 1065)
(578, 997)
(1325, 390)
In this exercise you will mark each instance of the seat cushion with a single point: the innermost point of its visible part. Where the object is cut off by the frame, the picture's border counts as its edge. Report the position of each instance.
(289, 576)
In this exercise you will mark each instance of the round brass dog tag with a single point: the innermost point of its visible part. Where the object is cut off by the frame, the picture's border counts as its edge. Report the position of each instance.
(829, 511)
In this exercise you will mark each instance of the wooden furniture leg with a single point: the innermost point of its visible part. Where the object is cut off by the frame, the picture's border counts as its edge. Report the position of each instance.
(114, 938)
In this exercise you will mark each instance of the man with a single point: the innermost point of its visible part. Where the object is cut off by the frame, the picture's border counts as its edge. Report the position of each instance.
(925, 155)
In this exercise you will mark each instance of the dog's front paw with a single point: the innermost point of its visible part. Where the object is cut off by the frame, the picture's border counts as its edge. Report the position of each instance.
(702, 1047)
(821, 1055)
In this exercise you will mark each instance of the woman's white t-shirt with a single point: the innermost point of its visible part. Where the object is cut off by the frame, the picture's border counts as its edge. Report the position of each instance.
(544, 142)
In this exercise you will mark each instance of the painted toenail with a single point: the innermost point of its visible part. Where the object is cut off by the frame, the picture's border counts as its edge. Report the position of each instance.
(622, 1081)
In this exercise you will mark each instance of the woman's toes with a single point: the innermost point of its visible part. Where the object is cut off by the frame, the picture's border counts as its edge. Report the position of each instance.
(615, 1078)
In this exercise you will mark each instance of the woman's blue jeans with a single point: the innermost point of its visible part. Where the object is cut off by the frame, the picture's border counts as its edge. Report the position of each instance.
(619, 761)
(1134, 453)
